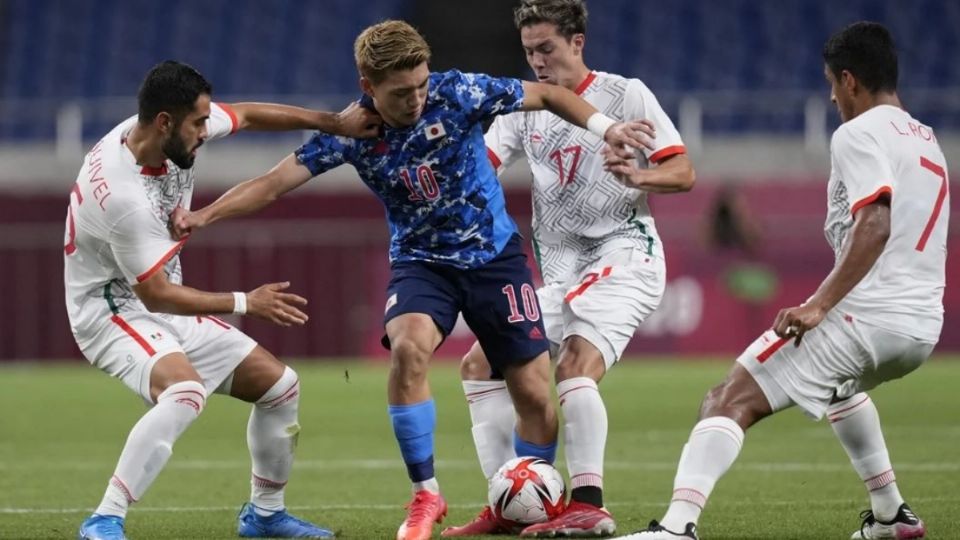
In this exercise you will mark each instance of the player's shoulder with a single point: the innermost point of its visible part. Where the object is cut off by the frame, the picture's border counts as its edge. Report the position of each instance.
(444, 82)
(854, 132)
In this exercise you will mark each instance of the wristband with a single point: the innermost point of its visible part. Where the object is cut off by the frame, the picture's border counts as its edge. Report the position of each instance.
(239, 303)
(599, 123)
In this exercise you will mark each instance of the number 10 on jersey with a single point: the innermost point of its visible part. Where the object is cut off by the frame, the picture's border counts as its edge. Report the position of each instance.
(429, 189)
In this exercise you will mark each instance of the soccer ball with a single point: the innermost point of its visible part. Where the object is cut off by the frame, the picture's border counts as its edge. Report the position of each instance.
(526, 490)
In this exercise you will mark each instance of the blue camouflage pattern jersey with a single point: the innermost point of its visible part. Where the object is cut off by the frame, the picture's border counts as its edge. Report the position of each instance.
(443, 200)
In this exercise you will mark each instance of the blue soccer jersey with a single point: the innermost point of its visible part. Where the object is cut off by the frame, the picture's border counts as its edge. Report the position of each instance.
(443, 200)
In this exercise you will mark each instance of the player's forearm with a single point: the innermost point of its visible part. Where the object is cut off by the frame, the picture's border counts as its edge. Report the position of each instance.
(275, 117)
(558, 100)
(181, 300)
(674, 175)
(863, 247)
(242, 199)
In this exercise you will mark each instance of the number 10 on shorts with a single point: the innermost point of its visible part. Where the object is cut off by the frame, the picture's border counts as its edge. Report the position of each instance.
(530, 307)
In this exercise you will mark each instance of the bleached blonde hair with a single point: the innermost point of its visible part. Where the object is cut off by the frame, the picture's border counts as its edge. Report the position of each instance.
(389, 46)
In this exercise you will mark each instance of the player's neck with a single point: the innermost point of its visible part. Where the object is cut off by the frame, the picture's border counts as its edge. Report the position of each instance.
(145, 147)
(880, 98)
(576, 78)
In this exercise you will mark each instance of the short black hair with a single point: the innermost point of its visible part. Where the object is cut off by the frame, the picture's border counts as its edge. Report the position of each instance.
(867, 51)
(570, 16)
(171, 87)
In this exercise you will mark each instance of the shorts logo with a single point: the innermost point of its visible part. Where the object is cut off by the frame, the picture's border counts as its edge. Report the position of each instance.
(392, 301)
(536, 333)
(156, 336)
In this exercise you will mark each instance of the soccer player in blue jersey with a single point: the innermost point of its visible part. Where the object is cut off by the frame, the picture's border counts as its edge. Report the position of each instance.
(453, 247)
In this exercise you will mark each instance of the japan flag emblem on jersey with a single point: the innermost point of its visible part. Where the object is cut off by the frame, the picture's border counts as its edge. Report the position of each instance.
(434, 131)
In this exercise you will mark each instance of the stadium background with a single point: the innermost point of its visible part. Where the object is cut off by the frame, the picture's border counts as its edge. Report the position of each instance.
(742, 80)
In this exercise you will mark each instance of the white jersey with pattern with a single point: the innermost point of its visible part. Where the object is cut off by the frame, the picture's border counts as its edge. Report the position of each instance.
(116, 229)
(581, 212)
(885, 151)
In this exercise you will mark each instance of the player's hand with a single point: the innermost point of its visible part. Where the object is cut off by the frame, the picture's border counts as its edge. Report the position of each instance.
(270, 303)
(796, 321)
(622, 136)
(626, 170)
(182, 222)
(358, 122)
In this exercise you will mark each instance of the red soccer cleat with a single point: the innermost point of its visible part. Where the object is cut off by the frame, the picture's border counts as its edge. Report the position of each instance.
(484, 523)
(423, 511)
(579, 520)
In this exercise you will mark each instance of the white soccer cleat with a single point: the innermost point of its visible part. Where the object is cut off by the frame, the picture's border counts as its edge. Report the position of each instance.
(904, 526)
(655, 531)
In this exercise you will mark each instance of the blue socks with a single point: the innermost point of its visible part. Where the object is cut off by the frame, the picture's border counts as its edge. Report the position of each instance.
(413, 425)
(546, 452)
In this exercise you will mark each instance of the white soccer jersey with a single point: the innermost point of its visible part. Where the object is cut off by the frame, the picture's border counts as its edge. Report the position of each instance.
(886, 151)
(580, 211)
(116, 230)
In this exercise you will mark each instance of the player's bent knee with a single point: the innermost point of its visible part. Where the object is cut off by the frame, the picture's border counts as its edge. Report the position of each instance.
(284, 392)
(738, 399)
(474, 365)
(187, 393)
(409, 352)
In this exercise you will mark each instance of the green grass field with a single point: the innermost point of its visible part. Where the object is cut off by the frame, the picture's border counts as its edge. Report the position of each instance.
(63, 427)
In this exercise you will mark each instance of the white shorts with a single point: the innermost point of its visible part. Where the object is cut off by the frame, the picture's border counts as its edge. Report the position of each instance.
(839, 358)
(129, 344)
(606, 303)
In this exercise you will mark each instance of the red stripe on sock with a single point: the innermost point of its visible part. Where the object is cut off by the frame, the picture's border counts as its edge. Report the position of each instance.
(835, 416)
(577, 388)
(261, 482)
(123, 487)
(294, 388)
(881, 480)
(586, 479)
(191, 403)
(472, 396)
(691, 496)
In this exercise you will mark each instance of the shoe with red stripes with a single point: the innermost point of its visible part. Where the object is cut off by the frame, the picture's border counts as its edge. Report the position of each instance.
(578, 520)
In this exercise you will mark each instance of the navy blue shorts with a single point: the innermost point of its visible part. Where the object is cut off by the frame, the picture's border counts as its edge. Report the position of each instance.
(498, 302)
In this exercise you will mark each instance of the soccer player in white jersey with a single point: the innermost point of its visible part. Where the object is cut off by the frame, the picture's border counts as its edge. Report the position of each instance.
(876, 316)
(598, 250)
(132, 317)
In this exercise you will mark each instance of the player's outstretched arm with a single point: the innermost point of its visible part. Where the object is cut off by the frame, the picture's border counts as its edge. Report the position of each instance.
(562, 102)
(244, 198)
(862, 248)
(672, 175)
(268, 302)
(354, 121)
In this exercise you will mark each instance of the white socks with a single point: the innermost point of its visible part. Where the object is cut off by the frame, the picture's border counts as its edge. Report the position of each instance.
(272, 434)
(856, 423)
(584, 430)
(713, 446)
(150, 445)
(494, 420)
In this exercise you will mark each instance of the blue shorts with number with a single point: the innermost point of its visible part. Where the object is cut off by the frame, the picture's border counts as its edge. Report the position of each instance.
(498, 302)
